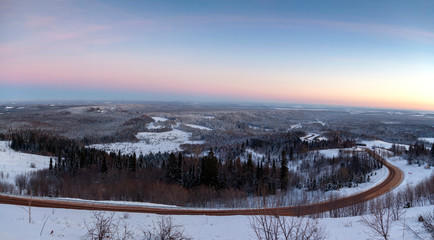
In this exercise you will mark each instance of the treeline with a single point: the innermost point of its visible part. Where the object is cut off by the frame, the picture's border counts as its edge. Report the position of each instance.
(348, 169)
(169, 178)
(417, 153)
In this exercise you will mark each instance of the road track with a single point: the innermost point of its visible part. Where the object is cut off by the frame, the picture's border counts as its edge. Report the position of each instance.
(394, 178)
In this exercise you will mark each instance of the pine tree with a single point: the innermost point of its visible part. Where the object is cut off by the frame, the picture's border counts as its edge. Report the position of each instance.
(209, 170)
(51, 165)
(284, 172)
(173, 170)
(103, 167)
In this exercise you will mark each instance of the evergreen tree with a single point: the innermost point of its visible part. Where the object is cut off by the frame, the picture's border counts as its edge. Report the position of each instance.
(209, 170)
(432, 150)
(284, 172)
(173, 170)
(103, 168)
(51, 164)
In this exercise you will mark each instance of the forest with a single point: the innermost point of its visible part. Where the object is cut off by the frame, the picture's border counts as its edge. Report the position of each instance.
(78, 171)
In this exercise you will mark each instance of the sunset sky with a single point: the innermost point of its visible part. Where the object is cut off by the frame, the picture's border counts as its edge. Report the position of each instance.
(353, 53)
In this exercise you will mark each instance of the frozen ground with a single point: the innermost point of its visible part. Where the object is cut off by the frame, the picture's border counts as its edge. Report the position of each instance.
(430, 140)
(151, 142)
(14, 163)
(70, 224)
(382, 144)
(330, 153)
(198, 127)
(313, 137)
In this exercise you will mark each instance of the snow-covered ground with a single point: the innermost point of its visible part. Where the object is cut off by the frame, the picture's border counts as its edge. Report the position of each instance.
(331, 153)
(295, 126)
(198, 127)
(160, 119)
(430, 140)
(14, 163)
(382, 144)
(151, 142)
(413, 174)
(70, 224)
(313, 137)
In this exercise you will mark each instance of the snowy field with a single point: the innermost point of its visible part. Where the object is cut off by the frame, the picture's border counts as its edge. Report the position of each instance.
(154, 142)
(382, 144)
(14, 163)
(198, 127)
(151, 142)
(430, 140)
(313, 137)
(70, 224)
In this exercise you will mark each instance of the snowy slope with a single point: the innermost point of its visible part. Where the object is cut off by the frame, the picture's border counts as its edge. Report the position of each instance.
(14, 163)
(151, 142)
(198, 127)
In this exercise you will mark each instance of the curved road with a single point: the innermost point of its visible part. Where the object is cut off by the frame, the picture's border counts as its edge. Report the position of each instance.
(394, 178)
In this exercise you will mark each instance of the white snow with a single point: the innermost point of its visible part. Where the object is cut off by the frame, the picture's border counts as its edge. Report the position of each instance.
(160, 119)
(255, 155)
(430, 140)
(70, 224)
(413, 174)
(382, 144)
(321, 122)
(209, 117)
(9, 107)
(151, 142)
(295, 126)
(198, 127)
(313, 137)
(14, 163)
(153, 125)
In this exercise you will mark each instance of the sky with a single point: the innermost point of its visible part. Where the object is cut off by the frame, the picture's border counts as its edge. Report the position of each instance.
(376, 54)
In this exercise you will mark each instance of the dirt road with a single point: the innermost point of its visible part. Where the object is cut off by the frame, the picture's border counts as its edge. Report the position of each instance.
(394, 178)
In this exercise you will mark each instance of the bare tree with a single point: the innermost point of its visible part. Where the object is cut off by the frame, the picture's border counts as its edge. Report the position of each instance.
(380, 220)
(427, 221)
(267, 227)
(301, 229)
(106, 227)
(165, 229)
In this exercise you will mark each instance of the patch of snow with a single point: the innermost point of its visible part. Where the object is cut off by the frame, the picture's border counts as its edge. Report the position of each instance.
(313, 137)
(151, 142)
(331, 153)
(198, 127)
(14, 163)
(255, 155)
(209, 117)
(321, 122)
(382, 144)
(9, 107)
(153, 125)
(391, 122)
(159, 119)
(430, 140)
(295, 126)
